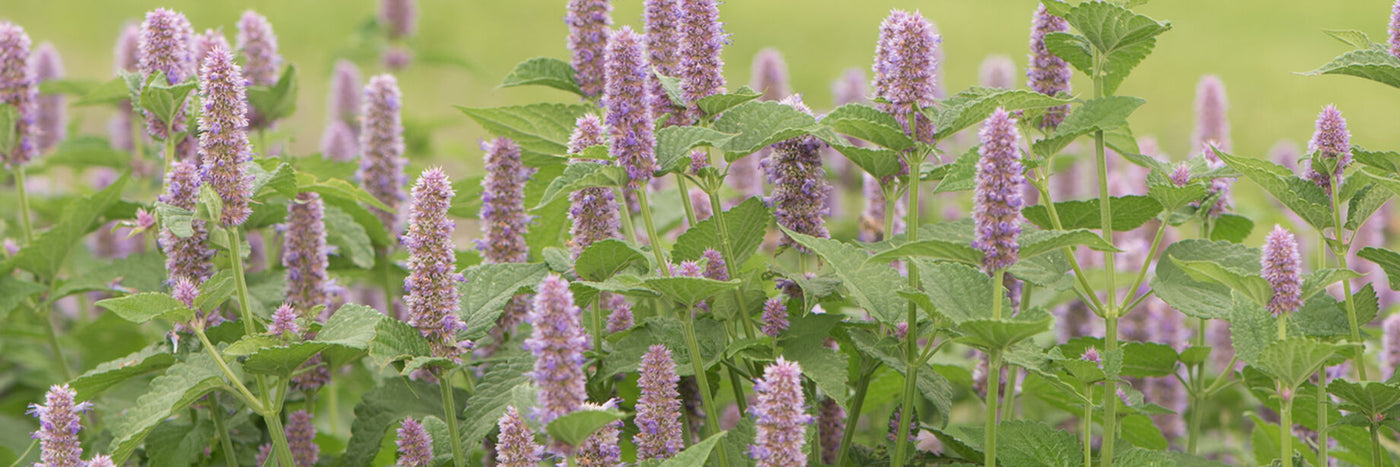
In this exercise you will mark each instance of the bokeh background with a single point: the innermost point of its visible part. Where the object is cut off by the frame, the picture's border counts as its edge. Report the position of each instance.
(465, 47)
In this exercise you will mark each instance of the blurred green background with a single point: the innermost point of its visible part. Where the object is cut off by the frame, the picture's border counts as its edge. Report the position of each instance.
(1256, 46)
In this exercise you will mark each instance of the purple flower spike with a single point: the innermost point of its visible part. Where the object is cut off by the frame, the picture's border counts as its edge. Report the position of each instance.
(997, 199)
(715, 268)
(51, 119)
(304, 254)
(165, 48)
(831, 422)
(851, 88)
(415, 444)
(432, 280)
(101, 461)
(997, 71)
(627, 99)
(906, 65)
(775, 317)
(588, 22)
(504, 222)
(1395, 29)
(185, 291)
(701, 67)
(399, 17)
(126, 56)
(620, 319)
(339, 142)
(516, 446)
(259, 46)
(1091, 354)
(799, 183)
(659, 408)
(593, 211)
(60, 420)
(1331, 141)
(301, 438)
(381, 145)
(779, 419)
(1212, 126)
(201, 44)
(1283, 269)
(1182, 175)
(344, 100)
(770, 75)
(662, 26)
(1048, 73)
(1390, 345)
(284, 322)
(558, 343)
(223, 138)
(187, 258)
(19, 89)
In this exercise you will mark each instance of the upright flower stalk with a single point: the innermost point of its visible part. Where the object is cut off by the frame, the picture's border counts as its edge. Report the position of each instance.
(1048, 73)
(662, 28)
(223, 139)
(188, 258)
(701, 65)
(558, 343)
(780, 418)
(658, 417)
(800, 188)
(516, 446)
(588, 22)
(381, 144)
(19, 90)
(504, 222)
(304, 254)
(51, 117)
(415, 444)
(627, 98)
(59, 424)
(261, 60)
(166, 39)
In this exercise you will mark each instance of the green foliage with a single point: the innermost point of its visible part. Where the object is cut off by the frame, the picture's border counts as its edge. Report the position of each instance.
(758, 124)
(107, 374)
(868, 284)
(578, 176)
(1201, 299)
(164, 100)
(538, 128)
(1122, 37)
(279, 100)
(1129, 213)
(49, 250)
(869, 124)
(488, 287)
(1303, 197)
(746, 224)
(1101, 114)
(543, 71)
(1388, 260)
(1374, 63)
(142, 307)
(715, 104)
(180, 385)
(1032, 443)
(572, 428)
(696, 454)
(382, 408)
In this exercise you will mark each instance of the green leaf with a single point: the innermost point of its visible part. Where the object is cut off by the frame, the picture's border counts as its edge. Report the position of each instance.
(1250, 285)
(382, 408)
(111, 92)
(49, 251)
(1039, 242)
(107, 374)
(1129, 213)
(961, 174)
(870, 285)
(1374, 63)
(278, 101)
(466, 203)
(672, 86)
(506, 384)
(181, 385)
(958, 292)
(538, 128)
(142, 307)
(973, 105)
(668, 331)
(1292, 361)
(1301, 196)
(487, 289)
(674, 144)
(164, 100)
(993, 334)
(605, 258)
(696, 454)
(747, 224)
(1140, 430)
(350, 239)
(1101, 114)
(350, 332)
(1315, 281)
(879, 163)
(1201, 299)
(1123, 37)
(281, 180)
(931, 384)
(1231, 228)
(870, 124)
(689, 291)
(14, 291)
(1252, 329)
(1367, 397)
(804, 343)
(1148, 359)
(1388, 260)
(543, 71)
(716, 103)
(335, 188)
(580, 175)
(933, 249)
(1383, 163)
(87, 151)
(574, 427)
(1350, 37)
(178, 442)
(1173, 197)
(1033, 443)
(756, 125)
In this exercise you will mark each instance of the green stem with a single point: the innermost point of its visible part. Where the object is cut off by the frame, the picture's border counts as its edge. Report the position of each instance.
(1376, 458)
(911, 367)
(853, 415)
(216, 412)
(1282, 327)
(629, 229)
(253, 401)
(279, 439)
(702, 380)
(598, 323)
(1008, 400)
(735, 385)
(26, 229)
(1111, 312)
(240, 282)
(1079, 274)
(1285, 432)
(684, 189)
(1339, 250)
(449, 408)
(1088, 430)
(1194, 428)
(1322, 423)
(993, 392)
(169, 151)
(727, 248)
(651, 233)
(63, 369)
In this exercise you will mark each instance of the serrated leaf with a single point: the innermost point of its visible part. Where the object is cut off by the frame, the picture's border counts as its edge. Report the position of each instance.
(668, 331)
(756, 125)
(87, 151)
(543, 71)
(1129, 213)
(1231, 228)
(350, 239)
(674, 144)
(956, 291)
(870, 124)
(487, 289)
(1375, 64)
(1388, 260)
(689, 291)
(870, 285)
(672, 86)
(1172, 197)
(538, 128)
(1292, 361)
(14, 291)
(932, 249)
(1203, 300)
(1101, 114)
(1350, 37)
(999, 334)
(339, 189)
(142, 307)
(164, 100)
(281, 180)
(973, 105)
(804, 343)
(1033, 443)
(1039, 242)
(1148, 359)
(1301, 196)
(180, 385)
(1316, 281)
(879, 163)
(580, 175)
(1369, 198)
(747, 224)
(1123, 37)
(114, 91)
(1367, 397)
(46, 254)
(1251, 286)
(696, 454)
(574, 427)
(107, 374)
(383, 407)
(177, 442)
(961, 174)
(605, 258)
(277, 101)
(716, 103)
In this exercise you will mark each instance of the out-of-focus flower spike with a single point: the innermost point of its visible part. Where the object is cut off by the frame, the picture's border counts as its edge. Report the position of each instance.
(997, 71)
(19, 89)
(1048, 73)
(1212, 125)
(382, 149)
(588, 22)
(51, 117)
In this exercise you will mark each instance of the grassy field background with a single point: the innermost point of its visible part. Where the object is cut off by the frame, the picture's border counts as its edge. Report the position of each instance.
(1256, 46)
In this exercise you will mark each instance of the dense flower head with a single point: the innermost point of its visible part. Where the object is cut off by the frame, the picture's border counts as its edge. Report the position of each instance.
(658, 417)
(432, 281)
(799, 183)
(627, 97)
(259, 46)
(51, 118)
(715, 267)
(1181, 175)
(779, 414)
(284, 322)
(997, 71)
(223, 137)
(304, 253)
(620, 317)
(126, 52)
(516, 446)
(100, 461)
(831, 422)
(592, 211)
(770, 75)
(1331, 141)
(339, 142)
(558, 343)
(1212, 125)
(166, 37)
(906, 65)
(415, 444)
(19, 89)
(190, 257)
(185, 290)
(997, 211)
(601, 448)
(1283, 269)
(775, 317)
(202, 43)
(503, 219)
(702, 39)
(662, 27)
(343, 101)
(381, 144)
(1047, 73)
(60, 420)
(1091, 354)
(588, 22)
(301, 438)
(1390, 345)
(399, 17)
(1395, 29)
